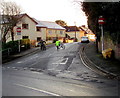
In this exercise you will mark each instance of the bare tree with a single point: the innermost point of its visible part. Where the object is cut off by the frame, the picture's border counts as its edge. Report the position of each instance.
(10, 14)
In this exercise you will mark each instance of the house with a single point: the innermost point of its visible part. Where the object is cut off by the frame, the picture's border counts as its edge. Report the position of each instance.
(53, 30)
(30, 28)
(74, 32)
(88, 33)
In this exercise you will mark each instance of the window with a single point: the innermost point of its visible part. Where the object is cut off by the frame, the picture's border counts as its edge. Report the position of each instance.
(24, 26)
(61, 32)
(38, 29)
(38, 39)
(50, 31)
(25, 37)
(18, 33)
(49, 38)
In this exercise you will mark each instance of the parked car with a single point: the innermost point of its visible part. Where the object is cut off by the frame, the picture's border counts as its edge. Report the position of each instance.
(84, 39)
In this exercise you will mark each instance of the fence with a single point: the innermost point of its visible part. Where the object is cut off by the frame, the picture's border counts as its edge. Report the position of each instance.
(6, 52)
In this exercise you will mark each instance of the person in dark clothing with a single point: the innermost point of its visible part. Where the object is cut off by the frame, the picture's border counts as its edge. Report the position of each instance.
(42, 45)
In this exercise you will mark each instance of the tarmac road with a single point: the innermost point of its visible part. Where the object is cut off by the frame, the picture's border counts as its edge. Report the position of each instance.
(55, 73)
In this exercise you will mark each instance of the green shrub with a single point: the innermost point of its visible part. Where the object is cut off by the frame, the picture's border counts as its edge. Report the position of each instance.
(13, 45)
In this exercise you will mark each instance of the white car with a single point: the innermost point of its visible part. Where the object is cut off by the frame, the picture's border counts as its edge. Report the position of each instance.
(84, 39)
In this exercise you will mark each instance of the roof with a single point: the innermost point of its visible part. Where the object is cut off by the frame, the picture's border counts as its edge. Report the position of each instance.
(22, 15)
(48, 24)
(87, 30)
(52, 25)
(45, 24)
(71, 28)
(5, 18)
(39, 24)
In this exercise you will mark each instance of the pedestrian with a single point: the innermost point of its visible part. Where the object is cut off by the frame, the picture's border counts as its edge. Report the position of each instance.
(57, 43)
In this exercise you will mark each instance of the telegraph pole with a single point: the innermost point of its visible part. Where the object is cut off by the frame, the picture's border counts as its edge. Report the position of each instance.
(75, 31)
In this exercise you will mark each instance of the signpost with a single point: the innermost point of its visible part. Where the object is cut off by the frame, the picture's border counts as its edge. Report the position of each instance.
(19, 33)
(101, 21)
(18, 30)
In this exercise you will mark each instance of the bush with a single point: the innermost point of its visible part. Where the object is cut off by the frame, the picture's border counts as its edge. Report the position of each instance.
(11, 44)
(14, 45)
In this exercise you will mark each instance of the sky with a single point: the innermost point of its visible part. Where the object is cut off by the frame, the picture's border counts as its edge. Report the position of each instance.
(52, 10)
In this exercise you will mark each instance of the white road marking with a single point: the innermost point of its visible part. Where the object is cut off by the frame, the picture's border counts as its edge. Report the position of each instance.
(53, 69)
(34, 57)
(66, 59)
(33, 64)
(60, 61)
(49, 55)
(32, 68)
(37, 72)
(20, 62)
(36, 89)
(25, 68)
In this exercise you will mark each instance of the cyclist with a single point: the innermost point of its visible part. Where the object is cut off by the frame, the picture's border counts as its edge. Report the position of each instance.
(62, 45)
(57, 43)
(42, 45)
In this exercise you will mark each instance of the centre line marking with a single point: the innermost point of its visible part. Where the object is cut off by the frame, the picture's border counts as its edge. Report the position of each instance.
(37, 89)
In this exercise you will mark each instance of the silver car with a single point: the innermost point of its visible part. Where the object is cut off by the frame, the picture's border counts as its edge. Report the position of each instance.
(84, 39)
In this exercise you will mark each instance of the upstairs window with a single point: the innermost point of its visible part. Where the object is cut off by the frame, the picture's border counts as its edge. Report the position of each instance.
(61, 32)
(24, 26)
(38, 29)
(50, 31)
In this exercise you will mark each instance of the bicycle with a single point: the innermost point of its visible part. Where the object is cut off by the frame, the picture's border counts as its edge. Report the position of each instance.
(62, 46)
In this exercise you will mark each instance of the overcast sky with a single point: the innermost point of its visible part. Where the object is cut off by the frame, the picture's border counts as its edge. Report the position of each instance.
(51, 10)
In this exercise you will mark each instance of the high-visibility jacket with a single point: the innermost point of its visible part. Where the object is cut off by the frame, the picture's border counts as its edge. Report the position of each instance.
(57, 43)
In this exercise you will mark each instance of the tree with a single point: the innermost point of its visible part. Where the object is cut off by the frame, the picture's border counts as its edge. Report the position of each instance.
(61, 23)
(110, 11)
(10, 13)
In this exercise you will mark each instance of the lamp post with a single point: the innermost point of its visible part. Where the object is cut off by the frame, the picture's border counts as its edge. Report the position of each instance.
(101, 22)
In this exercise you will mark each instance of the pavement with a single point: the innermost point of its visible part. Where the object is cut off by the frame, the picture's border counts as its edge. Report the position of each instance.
(90, 58)
(23, 53)
(95, 60)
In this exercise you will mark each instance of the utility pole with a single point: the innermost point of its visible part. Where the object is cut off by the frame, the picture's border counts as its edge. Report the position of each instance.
(75, 32)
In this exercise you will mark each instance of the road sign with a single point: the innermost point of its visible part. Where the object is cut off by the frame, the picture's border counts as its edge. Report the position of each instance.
(101, 20)
(18, 29)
